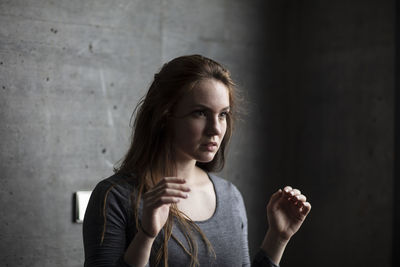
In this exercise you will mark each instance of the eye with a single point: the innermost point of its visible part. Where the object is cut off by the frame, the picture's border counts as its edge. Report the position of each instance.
(199, 113)
(224, 114)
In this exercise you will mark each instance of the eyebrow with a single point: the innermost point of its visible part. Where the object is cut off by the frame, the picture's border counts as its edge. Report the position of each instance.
(206, 107)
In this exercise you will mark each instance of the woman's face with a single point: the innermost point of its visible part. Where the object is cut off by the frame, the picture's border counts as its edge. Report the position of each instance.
(199, 121)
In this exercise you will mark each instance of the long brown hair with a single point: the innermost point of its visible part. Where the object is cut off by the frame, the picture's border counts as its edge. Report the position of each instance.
(151, 155)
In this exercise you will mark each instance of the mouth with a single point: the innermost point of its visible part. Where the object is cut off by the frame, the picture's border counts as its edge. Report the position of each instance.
(210, 146)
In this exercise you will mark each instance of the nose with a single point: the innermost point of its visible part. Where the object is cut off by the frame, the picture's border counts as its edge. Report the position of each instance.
(214, 126)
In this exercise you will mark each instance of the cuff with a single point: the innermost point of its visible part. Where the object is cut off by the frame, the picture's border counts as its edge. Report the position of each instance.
(261, 259)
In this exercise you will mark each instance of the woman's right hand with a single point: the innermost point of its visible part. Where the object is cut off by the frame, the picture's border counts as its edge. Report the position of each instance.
(156, 203)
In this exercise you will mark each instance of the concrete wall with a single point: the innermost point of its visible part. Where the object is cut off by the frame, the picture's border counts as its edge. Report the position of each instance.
(318, 76)
(71, 73)
(337, 135)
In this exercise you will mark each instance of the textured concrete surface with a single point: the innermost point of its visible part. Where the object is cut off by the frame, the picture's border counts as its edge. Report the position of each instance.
(71, 73)
(318, 77)
(337, 135)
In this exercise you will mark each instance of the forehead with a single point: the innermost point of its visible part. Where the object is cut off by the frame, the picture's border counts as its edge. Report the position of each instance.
(210, 93)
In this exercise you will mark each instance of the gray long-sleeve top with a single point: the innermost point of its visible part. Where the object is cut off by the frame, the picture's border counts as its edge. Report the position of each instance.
(226, 229)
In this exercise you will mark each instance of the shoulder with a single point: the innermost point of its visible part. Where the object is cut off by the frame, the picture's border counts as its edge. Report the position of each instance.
(112, 192)
(116, 184)
(108, 219)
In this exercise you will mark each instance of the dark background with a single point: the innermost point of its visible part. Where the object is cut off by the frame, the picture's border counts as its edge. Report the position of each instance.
(319, 78)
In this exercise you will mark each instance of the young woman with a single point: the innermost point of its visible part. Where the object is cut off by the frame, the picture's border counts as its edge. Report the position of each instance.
(163, 207)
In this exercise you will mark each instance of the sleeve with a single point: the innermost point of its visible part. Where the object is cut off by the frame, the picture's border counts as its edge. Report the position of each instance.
(261, 258)
(104, 227)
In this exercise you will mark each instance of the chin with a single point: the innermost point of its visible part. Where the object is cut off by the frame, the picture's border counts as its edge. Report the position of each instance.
(205, 158)
(204, 161)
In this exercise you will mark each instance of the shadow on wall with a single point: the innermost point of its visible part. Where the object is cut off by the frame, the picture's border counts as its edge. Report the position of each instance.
(320, 75)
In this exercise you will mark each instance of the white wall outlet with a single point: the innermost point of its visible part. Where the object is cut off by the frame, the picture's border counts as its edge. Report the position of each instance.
(81, 202)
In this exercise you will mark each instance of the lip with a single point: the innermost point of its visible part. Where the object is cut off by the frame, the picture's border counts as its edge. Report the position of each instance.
(210, 146)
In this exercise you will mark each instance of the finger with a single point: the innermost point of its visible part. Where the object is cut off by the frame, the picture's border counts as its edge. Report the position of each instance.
(274, 198)
(166, 180)
(293, 203)
(299, 199)
(173, 179)
(167, 187)
(164, 200)
(287, 189)
(168, 192)
(290, 194)
(175, 186)
(169, 182)
(306, 208)
(173, 192)
(296, 192)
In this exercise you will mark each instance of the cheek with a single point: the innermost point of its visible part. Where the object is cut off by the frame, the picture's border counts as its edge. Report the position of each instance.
(187, 131)
(224, 128)
(194, 129)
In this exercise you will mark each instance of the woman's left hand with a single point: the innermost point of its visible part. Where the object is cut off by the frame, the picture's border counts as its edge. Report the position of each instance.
(286, 211)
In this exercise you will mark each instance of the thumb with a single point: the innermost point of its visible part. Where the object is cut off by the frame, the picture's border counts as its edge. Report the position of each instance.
(275, 197)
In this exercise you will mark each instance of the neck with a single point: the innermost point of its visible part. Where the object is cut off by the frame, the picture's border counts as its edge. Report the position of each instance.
(193, 175)
(186, 169)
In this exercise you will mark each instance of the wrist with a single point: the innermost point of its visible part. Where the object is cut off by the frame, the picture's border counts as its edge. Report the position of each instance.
(144, 235)
(274, 245)
(276, 238)
(138, 251)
